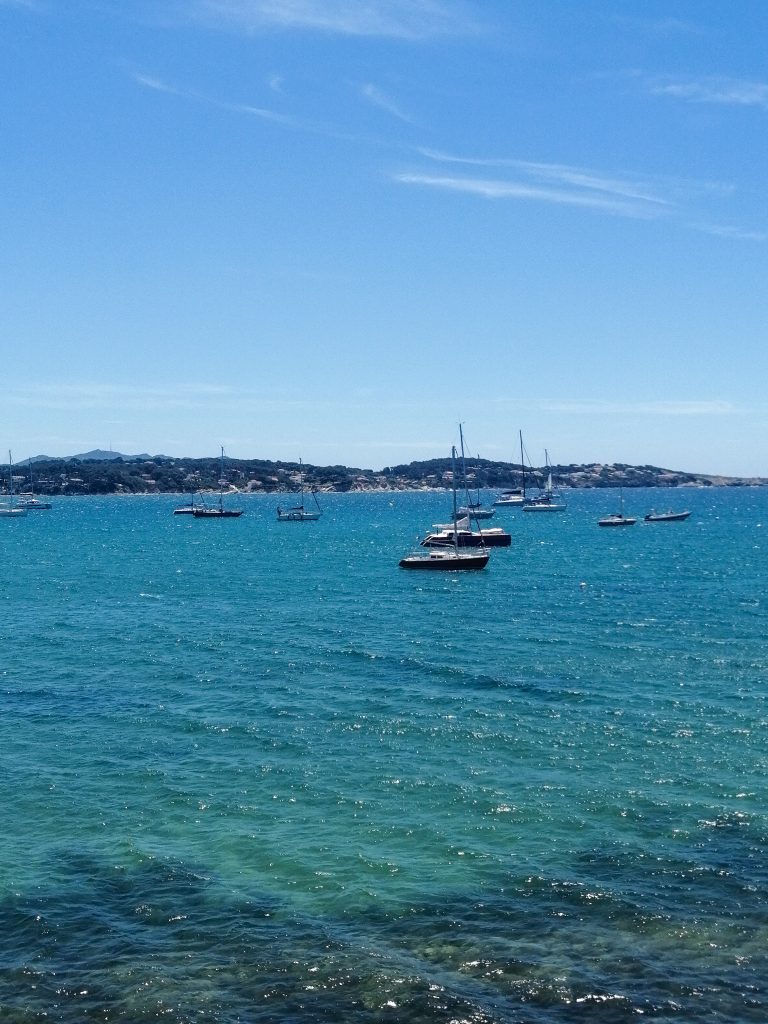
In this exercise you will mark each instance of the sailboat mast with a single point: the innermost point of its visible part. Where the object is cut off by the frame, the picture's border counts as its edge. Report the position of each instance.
(464, 472)
(522, 461)
(453, 487)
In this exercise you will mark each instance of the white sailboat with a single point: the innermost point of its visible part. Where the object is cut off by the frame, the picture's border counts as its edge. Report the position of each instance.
(28, 499)
(547, 500)
(10, 508)
(473, 509)
(514, 497)
(298, 513)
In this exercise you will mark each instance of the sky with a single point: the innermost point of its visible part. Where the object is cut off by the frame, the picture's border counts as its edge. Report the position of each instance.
(335, 229)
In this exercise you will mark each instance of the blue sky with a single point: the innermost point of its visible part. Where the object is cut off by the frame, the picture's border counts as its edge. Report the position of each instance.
(336, 228)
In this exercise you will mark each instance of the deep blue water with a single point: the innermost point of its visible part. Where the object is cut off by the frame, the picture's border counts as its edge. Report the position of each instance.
(252, 771)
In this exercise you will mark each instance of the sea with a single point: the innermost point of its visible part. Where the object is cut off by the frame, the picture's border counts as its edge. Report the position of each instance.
(254, 772)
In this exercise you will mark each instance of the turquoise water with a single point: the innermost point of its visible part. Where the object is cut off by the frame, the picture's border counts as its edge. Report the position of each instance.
(255, 772)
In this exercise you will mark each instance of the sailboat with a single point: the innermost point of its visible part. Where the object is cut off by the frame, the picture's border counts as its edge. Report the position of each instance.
(459, 532)
(189, 510)
(10, 508)
(617, 518)
(448, 557)
(547, 500)
(298, 513)
(211, 512)
(515, 496)
(27, 499)
(472, 508)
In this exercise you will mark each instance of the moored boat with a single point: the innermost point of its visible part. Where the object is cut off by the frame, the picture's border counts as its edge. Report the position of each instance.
(211, 512)
(189, 510)
(446, 559)
(449, 556)
(547, 500)
(544, 503)
(467, 539)
(476, 511)
(617, 518)
(446, 534)
(514, 497)
(666, 517)
(11, 508)
(299, 513)
(28, 499)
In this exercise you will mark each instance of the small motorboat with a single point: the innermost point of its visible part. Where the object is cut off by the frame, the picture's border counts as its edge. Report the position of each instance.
(666, 517)
(28, 500)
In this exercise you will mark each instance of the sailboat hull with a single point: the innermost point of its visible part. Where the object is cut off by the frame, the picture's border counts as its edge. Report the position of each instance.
(29, 501)
(467, 539)
(544, 506)
(445, 560)
(297, 515)
(216, 513)
(616, 520)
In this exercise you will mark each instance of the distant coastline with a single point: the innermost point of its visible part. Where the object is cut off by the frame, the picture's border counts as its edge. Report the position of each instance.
(101, 472)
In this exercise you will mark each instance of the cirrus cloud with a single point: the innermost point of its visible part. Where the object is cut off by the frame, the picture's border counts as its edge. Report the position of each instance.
(403, 19)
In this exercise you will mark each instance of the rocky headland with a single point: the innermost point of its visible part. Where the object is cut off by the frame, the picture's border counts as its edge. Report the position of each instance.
(112, 473)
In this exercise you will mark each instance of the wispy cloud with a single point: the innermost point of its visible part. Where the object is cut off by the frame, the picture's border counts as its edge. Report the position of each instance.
(718, 90)
(158, 85)
(288, 121)
(628, 195)
(628, 187)
(490, 188)
(148, 81)
(547, 182)
(716, 407)
(379, 99)
(728, 231)
(403, 19)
